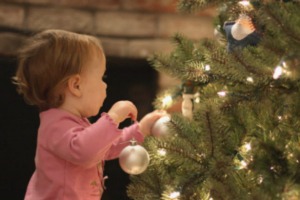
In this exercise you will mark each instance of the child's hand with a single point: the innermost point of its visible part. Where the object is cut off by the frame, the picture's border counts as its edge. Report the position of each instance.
(122, 110)
(148, 120)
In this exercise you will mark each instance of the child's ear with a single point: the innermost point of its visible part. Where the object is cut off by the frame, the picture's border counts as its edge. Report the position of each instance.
(74, 85)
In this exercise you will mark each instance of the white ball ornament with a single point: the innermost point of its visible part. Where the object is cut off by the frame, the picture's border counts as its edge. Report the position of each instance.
(134, 159)
(160, 127)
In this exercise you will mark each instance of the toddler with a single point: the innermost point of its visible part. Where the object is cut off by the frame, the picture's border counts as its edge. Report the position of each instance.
(61, 73)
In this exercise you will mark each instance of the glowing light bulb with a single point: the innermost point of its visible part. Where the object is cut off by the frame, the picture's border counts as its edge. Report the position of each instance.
(278, 72)
(167, 101)
(246, 4)
(248, 146)
(174, 195)
(243, 164)
(197, 97)
(290, 155)
(284, 65)
(250, 79)
(162, 152)
(260, 179)
(222, 93)
(207, 67)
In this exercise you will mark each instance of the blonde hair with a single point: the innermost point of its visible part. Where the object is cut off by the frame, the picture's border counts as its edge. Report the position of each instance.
(46, 62)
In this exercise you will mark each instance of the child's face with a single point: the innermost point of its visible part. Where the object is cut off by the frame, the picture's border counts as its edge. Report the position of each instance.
(93, 86)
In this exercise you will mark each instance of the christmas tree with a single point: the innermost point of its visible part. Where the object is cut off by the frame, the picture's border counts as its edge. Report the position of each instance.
(238, 135)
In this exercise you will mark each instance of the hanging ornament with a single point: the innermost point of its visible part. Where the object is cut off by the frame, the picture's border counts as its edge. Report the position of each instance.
(134, 159)
(241, 33)
(187, 102)
(288, 67)
(187, 105)
(160, 127)
(246, 5)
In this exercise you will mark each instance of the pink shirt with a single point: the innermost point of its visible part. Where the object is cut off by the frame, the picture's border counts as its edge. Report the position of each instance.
(70, 155)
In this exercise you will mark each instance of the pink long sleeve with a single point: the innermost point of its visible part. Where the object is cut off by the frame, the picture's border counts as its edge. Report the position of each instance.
(69, 155)
(128, 133)
(82, 145)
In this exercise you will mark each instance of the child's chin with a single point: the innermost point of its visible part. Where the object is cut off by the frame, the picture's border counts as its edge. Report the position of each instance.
(96, 112)
(91, 114)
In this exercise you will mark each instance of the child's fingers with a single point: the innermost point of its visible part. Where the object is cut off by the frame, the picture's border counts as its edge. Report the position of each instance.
(132, 112)
(132, 116)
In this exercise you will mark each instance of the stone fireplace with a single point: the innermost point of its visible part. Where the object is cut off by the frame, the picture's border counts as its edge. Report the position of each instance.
(127, 28)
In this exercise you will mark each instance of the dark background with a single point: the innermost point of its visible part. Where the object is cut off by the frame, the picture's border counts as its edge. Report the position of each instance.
(127, 79)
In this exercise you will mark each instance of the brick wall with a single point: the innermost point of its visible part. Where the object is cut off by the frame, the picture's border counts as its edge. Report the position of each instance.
(127, 28)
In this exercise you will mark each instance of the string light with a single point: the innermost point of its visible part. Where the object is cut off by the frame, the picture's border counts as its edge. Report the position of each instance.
(247, 146)
(207, 67)
(222, 93)
(280, 70)
(243, 164)
(167, 101)
(246, 5)
(277, 72)
(250, 79)
(197, 97)
(260, 179)
(174, 195)
(162, 152)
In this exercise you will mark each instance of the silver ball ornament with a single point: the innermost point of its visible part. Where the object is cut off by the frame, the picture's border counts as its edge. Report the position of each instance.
(160, 127)
(134, 159)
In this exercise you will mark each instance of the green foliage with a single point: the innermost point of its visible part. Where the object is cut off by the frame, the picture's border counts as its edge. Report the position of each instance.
(246, 144)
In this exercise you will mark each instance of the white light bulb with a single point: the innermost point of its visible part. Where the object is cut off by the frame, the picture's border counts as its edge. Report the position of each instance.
(250, 79)
(243, 164)
(248, 146)
(167, 101)
(245, 3)
(260, 179)
(207, 67)
(162, 152)
(174, 195)
(278, 72)
(222, 93)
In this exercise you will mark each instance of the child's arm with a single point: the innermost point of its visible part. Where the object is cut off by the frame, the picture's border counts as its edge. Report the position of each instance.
(88, 145)
(137, 131)
(80, 145)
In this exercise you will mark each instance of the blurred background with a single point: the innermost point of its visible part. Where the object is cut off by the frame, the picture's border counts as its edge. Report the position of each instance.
(130, 30)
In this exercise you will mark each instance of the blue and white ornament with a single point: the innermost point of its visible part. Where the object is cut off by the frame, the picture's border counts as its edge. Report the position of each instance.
(241, 33)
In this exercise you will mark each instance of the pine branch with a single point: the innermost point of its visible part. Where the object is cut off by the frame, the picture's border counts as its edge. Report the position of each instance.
(210, 134)
(285, 28)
